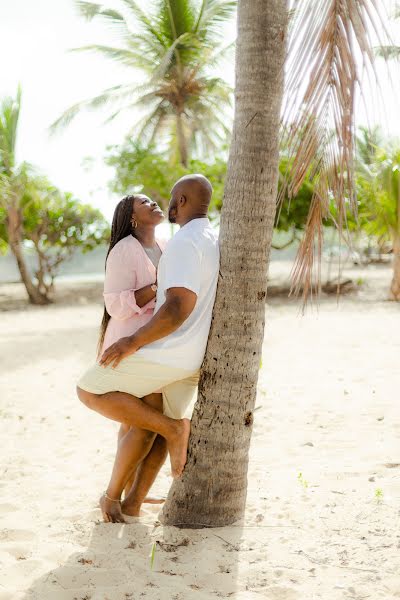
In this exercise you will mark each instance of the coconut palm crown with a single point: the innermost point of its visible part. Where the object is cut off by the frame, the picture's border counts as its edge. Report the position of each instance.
(174, 46)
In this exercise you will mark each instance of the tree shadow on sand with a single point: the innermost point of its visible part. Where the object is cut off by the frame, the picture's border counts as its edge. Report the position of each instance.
(143, 559)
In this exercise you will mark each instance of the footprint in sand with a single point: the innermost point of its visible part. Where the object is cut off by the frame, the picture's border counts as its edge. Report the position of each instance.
(17, 535)
(7, 507)
(19, 551)
(23, 569)
(73, 577)
(276, 592)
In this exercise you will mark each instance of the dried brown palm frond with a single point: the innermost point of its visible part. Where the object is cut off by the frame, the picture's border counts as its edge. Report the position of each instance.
(330, 46)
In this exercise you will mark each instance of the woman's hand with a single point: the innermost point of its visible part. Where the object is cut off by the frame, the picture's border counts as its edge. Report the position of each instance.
(118, 351)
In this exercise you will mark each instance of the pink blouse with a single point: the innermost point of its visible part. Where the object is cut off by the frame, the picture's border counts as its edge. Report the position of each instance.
(128, 269)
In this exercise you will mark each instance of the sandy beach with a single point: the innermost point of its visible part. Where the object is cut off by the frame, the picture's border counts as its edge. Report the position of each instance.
(322, 519)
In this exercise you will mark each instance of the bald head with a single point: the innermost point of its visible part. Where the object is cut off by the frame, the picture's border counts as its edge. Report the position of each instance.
(190, 198)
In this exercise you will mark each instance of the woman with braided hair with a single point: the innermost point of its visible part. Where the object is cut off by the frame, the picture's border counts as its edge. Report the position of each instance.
(130, 289)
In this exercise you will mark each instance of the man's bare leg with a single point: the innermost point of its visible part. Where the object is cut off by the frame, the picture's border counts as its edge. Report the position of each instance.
(126, 408)
(145, 477)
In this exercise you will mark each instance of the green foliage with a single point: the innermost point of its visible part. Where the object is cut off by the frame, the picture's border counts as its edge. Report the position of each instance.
(294, 212)
(54, 225)
(57, 225)
(379, 195)
(378, 191)
(9, 115)
(34, 212)
(151, 172)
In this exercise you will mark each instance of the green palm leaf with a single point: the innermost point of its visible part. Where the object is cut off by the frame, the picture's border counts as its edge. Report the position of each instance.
(174, 45)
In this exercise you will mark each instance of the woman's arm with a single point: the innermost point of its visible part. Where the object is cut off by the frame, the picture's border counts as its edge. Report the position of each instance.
(121, 297)
(145, 295)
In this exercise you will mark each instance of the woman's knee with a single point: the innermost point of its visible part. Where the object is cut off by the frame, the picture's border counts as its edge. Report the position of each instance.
(124, 428)
(87, 398)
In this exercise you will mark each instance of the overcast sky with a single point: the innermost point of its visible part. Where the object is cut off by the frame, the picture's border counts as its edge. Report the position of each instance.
(35, 37)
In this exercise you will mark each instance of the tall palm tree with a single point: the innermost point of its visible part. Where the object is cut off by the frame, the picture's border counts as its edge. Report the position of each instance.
(174, 46)
(325, 36)
(13, 181)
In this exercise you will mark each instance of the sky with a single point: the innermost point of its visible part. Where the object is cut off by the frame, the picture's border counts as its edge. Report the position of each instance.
(35, 39)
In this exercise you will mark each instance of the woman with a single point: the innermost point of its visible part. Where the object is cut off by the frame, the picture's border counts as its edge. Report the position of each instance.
(129, 296)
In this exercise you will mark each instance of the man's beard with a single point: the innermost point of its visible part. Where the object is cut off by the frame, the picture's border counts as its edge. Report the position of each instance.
(172, 217)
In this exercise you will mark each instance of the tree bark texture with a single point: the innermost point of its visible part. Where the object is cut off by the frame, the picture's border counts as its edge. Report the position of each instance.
(395, 285)
(182, 141)
(212, 490)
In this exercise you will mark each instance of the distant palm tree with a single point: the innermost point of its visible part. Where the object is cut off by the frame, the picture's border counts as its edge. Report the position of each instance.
(378, 184)
(13, 182)
(174, 47)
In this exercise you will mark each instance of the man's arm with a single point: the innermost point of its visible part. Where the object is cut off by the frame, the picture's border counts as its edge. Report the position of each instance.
(178, 306)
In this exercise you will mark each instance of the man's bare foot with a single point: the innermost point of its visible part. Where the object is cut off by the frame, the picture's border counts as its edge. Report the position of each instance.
(177, 446)
(147, 500)
(150, 500)
(111, 510)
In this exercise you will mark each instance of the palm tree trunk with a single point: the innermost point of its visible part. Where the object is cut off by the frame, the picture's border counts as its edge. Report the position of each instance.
(212, 491)
(395, 285)
(14, 238)
(182, 141)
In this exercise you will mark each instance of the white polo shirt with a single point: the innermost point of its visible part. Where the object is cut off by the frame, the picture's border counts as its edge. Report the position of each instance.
(190, 260)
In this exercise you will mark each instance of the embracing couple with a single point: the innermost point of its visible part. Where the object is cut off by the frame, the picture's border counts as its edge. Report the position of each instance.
(158, 307)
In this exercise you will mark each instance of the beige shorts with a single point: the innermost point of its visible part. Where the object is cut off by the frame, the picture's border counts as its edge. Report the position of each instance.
(139, 377)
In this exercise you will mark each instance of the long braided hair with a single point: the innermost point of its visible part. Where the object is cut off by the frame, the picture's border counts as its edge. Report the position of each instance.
(120, 228)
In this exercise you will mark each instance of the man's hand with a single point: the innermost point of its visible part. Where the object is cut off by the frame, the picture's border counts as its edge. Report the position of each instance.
(118, 351)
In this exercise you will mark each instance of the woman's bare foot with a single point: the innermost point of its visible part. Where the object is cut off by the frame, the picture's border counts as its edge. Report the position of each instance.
(111, 510)
(177, 446)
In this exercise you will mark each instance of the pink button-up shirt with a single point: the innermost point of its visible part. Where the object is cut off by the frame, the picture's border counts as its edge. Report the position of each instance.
(128, 269)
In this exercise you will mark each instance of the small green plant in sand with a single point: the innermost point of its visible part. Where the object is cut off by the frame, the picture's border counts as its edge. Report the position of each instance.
(153, 554)
(302, 481)
(379, 495)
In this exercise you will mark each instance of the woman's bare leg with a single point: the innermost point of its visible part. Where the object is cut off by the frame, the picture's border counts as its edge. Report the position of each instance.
(133, 447)
(126, 408)
(146, 474)
(122, 431)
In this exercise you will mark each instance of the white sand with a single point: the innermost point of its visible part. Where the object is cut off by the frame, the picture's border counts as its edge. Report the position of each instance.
(328, 408)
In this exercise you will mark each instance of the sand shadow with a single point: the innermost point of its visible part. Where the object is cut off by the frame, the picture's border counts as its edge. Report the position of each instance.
(143, 559)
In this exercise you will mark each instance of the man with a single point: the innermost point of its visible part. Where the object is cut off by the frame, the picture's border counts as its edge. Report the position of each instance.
(168, 351)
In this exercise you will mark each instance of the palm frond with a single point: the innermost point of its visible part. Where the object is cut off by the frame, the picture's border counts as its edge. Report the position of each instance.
(212, 13)
(9, 117)
(176, 17)
(144, 19)
(172, 44)
(110, 96)
(221, 54)
(91, 10)
(127, 57)
(165, 62)
(318, 118)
